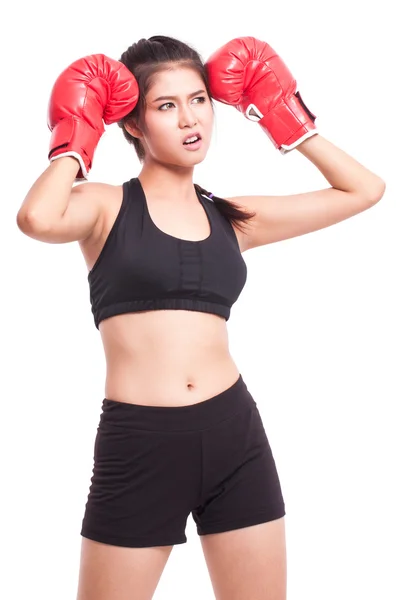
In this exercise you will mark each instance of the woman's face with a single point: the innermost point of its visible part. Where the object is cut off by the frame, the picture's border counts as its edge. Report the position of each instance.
(184, 110)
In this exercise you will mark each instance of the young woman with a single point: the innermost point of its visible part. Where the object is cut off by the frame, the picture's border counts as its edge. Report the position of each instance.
(179, 431)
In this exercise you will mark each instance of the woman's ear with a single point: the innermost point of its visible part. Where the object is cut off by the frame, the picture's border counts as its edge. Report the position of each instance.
(132, 129)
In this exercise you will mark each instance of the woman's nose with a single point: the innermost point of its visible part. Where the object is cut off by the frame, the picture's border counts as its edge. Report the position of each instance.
(187, 118)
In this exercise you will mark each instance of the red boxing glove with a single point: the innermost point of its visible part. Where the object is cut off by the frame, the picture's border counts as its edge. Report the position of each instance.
(90, 90)
(248, 74)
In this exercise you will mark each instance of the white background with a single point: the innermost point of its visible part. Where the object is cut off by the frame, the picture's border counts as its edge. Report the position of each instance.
(315, 332)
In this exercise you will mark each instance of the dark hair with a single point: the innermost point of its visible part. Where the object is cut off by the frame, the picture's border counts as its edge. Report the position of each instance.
(145, 59)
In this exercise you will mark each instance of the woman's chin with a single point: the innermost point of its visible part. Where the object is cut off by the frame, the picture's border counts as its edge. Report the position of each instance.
(186, 161)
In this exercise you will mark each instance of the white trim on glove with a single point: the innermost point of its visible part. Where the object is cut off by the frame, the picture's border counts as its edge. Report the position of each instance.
(284, 149)
(79, 158)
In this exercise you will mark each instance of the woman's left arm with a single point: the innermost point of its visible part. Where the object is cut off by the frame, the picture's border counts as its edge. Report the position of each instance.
(341, 170)
(248, 73)
(354, 189)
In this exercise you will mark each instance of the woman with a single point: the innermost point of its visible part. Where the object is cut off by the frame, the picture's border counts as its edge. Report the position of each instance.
(179, 432)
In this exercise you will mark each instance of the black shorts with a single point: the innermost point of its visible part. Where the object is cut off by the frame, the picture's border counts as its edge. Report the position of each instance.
(154, 465)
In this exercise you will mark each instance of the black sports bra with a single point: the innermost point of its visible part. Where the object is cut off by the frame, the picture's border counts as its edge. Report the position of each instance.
(141, 268)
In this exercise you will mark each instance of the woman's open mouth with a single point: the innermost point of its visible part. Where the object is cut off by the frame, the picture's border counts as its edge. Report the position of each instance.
(192, 142)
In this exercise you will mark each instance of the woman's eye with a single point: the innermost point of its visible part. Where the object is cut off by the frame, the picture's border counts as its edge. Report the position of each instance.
(202, 98)
(166, 104)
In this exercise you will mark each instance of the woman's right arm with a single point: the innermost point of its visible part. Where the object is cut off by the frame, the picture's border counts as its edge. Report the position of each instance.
(55, 212)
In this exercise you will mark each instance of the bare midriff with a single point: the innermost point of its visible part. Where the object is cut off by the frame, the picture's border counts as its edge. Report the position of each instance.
(163, 357)
(166, 357)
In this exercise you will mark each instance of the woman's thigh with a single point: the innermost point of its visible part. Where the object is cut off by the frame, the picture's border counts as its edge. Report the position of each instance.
(109, 572)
